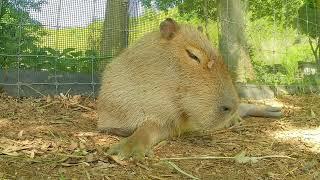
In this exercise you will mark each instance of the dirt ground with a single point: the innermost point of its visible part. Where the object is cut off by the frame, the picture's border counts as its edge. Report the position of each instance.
(56, 138)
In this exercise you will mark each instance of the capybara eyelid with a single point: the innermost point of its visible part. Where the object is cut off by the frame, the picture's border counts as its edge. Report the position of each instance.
(193, 56)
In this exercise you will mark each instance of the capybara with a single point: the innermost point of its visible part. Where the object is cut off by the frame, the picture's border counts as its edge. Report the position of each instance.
(169, 82)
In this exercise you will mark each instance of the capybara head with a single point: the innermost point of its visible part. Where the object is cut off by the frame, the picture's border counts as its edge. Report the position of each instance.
(173, 74)
(207, 94)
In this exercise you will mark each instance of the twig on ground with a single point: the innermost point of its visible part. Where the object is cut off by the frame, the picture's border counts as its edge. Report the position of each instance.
(70, 155)
(155, 177)
(87, 173)
(35, 161)
(107, 177)
(221, 157)
(67, 93)
(47, 105)
(197, 158)
(180, 170)
(51, 133)
(142, 166)
(84, 107)
(21, 158)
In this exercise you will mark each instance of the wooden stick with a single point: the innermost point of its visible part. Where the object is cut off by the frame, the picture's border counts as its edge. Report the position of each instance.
(221, 157)
(181, 171)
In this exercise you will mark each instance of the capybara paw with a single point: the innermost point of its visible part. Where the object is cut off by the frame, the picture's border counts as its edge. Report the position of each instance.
(273, 111)
(129, 149)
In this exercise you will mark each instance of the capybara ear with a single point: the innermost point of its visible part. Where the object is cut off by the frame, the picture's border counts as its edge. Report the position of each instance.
(200, 28)
(168, 28)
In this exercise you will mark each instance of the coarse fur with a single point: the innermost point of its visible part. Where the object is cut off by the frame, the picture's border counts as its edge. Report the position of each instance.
(169, 82)
(156, 79)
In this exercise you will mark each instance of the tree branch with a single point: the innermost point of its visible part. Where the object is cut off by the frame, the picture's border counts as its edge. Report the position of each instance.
(314, 51)
(205, 10)
(318, 47)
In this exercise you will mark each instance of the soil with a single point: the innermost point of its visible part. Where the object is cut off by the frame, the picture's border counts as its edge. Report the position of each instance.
(56, 138)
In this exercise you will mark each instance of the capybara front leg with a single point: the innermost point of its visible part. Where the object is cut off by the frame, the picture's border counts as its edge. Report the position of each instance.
(140, 143)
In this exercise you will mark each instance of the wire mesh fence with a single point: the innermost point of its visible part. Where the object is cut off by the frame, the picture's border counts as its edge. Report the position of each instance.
(62, 46)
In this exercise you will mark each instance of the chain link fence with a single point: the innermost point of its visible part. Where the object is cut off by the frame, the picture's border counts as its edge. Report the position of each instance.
(49, 47)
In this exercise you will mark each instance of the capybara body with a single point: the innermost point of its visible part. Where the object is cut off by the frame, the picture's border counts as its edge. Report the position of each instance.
(156, 79)
(169, 82)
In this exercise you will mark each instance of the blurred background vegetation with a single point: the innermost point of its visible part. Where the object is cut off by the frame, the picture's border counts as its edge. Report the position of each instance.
(281, 37)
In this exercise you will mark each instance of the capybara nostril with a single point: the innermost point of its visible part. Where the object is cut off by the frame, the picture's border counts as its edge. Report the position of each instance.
(226, 109)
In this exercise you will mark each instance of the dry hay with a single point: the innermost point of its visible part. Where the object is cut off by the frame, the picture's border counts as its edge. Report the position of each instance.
(56, 137)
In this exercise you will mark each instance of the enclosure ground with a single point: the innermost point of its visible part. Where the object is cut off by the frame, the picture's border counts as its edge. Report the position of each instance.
(56, 138)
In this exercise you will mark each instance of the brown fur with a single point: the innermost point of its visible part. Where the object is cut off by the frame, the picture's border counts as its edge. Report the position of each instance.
(154, 89)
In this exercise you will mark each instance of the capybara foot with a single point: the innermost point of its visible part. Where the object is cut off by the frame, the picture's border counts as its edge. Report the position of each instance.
(246, 110)
(130, 148)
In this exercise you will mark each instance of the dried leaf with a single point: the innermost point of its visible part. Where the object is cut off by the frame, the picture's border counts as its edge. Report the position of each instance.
(82, 140)
(45, 146)
(91, 105)
(73, 146)
(271, 175)
(89, 115)
(49, 99)
(103, 165)
(91, 158)
(76, 98)
(4, 122)
(10, 149)
(86, 134)
(20, 133)
(82, 145)
(69, 165)
(117, 160)
(63, 96)
(313, 115)
(10, 153)
(32, 153)
(242, 158)
(73, 160)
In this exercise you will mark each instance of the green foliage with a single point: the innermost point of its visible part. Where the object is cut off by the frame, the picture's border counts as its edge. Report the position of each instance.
(271, 45)
(309, 24)
(309, 20)
(18, 32)
(67, 38)
(67, 60)
(187, 8)
(270, 75)
(94, 35)
(151, 19)
(283, 12)
(272, 40)
(280, 11)
(266, 77)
